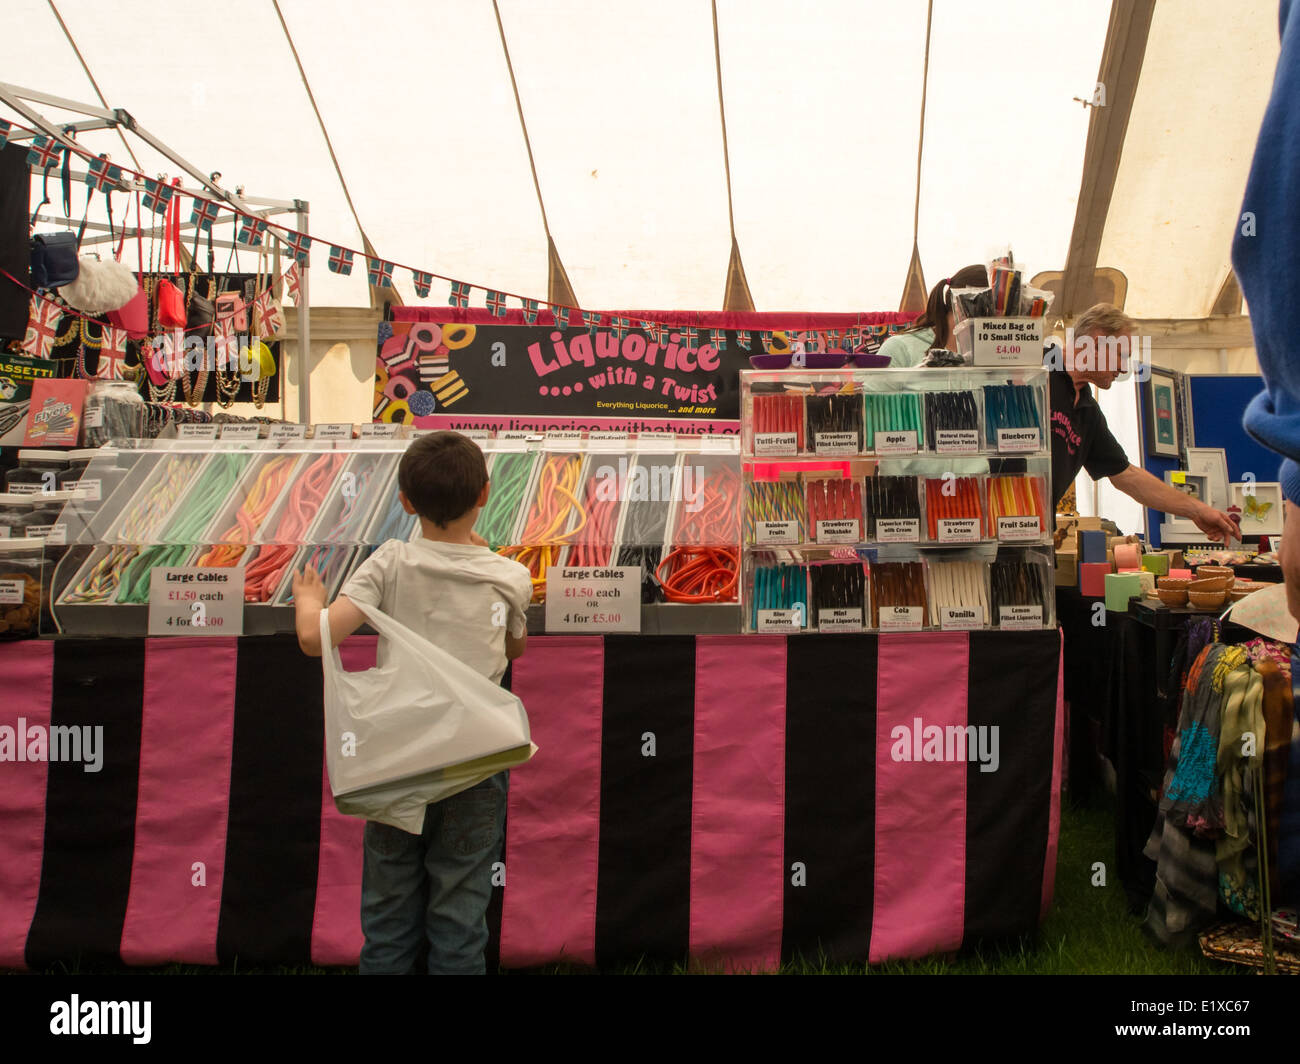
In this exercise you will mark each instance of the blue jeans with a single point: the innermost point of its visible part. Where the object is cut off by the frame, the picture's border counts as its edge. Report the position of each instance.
(436, 883)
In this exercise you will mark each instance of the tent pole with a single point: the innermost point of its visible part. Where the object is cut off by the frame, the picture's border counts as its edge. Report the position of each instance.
(304, 328)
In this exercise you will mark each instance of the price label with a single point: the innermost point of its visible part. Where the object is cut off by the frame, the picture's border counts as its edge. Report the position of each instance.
(517, 434)
(607, 434)
(840, 620)
(379, 431)
(898, 530)
(1013, 529)
(88, 490)
(193, 601)
(959, 530)
(847, 530)
(902, 618)
(961, 619)
(239, 432)
(54, 535)
(11, 592)
(563, 434)
(896, 442)
(833, 443)
(196, 432)
(768, 533)
(469, 434)
(332, 432)
(1018, 441)
(593, 601)
(957, 441)
(720, 444)
(776, 444)
(281, 433)
(30, 488)
(1020, 618)
(94, 416)
(780, 620)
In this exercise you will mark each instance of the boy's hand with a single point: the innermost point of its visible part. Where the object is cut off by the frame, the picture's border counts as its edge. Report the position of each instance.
(475, 538)
(308, 588)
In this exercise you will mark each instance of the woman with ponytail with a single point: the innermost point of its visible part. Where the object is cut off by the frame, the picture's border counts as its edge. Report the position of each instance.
(934, 327)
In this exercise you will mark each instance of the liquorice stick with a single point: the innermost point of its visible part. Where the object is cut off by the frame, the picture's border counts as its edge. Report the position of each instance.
(896, 584)
(836, 586)
(775, 501)
(890, 498)
(950, 411)
(835, 413)
(957, 585)
(834, 499)
(1017, 584)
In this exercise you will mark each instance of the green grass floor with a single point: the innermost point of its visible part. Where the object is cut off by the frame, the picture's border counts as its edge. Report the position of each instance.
(1088, 931)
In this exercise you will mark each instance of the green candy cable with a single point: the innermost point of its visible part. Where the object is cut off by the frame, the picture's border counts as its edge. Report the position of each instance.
(510, 476)
(206, 498)
(133, 585)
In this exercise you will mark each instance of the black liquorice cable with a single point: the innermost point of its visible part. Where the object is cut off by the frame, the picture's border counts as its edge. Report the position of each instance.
(1017, 584)
(891, 498)
(949, 412)
(834, 414)
(837, 586)
(644, 528)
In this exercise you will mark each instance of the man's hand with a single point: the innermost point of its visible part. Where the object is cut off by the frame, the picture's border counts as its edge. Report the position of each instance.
(308, 589)
(1217, 525)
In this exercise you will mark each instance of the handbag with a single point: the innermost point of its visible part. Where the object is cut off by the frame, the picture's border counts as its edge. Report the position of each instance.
(419, 728)
(102, 285)
(171, 305)
(54, 260)
(202, 312)
(133, 317)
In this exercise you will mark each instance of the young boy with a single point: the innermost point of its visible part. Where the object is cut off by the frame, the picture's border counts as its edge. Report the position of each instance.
(451, 589)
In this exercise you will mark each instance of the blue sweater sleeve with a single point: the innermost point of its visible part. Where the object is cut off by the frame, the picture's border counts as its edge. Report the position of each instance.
(1266, 258)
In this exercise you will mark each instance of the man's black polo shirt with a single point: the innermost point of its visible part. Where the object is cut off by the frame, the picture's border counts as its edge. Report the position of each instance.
(1081, 439)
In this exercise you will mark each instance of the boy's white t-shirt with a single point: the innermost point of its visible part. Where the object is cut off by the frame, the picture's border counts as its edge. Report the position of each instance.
(461, 597)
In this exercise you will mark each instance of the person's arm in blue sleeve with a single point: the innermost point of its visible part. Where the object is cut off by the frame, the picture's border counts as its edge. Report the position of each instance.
(1266, 258)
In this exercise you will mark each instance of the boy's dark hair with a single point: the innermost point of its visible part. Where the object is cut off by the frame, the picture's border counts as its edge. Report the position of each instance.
(442, 475)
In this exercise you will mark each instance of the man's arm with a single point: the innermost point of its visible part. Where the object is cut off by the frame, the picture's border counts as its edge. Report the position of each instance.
(515, 645)
(1146, 489)
(308, 601)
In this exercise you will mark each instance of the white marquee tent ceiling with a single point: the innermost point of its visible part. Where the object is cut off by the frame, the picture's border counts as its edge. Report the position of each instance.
(822, 107)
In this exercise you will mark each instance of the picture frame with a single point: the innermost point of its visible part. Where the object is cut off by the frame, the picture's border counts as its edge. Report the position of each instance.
(1211, 462)
(1197, 485)
(1161, 414)
(1260, 505)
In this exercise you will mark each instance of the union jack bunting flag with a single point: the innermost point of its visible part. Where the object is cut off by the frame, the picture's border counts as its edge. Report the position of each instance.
(293, 283)
(225, 345)
(43, 153)
(112, 354)
(618, 326)
(340, 261)
(251, 231)
(531, 308)
(204, 214)
(719, 338)
(157, 195)
(742, 340)
(423, 282)
(496, 302)
(459, 294)
(5, 129)
(561, 317)
(101, 175)
(299, 245)
(42, 325)
(591, 319)
(379, 273)
(690, 337)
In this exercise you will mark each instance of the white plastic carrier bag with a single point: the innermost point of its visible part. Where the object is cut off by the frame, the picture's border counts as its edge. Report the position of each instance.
(416, 730)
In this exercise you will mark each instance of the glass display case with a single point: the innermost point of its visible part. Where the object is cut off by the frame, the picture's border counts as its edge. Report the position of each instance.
(896, 500)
